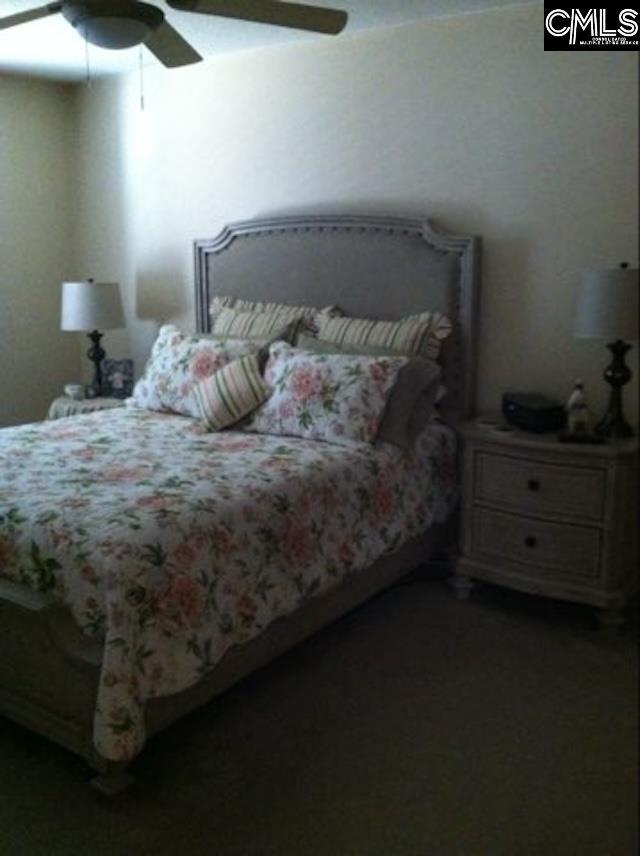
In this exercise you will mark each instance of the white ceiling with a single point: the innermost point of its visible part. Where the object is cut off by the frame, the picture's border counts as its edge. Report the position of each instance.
(51, 48)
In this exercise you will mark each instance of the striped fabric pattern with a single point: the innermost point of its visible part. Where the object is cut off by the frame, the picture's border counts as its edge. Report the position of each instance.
(231, 393)
(251, 325)
(412, 336)
(287, 312)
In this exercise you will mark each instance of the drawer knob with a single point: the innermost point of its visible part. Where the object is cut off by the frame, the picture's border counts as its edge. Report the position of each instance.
(533, 484)
(530, 541)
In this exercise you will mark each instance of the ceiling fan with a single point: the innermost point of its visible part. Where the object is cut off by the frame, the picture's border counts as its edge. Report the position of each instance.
(125, 23)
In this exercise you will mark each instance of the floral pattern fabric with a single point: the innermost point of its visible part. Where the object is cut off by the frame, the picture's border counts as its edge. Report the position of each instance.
(171, 544)
(334, 397)
(177, 363)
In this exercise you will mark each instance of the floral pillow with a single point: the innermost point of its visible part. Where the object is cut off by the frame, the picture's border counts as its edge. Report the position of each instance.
(411, 401)
(334, 397)
(177, 363)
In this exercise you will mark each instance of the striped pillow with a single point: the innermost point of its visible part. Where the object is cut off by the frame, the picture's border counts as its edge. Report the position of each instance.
(287, 312)
(231, 393)
(411, 336)
(252, 325)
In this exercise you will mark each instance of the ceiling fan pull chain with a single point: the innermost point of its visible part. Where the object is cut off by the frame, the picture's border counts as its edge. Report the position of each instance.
(141, 78)
(87, 63)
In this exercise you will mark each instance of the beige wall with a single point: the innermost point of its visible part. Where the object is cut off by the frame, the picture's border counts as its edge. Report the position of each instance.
(36, 248)
(464, 119)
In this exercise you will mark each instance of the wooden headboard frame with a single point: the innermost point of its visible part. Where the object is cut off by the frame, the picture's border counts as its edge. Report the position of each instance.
(370, 266)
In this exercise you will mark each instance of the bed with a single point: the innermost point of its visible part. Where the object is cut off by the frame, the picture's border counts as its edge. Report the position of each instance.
(203, 513)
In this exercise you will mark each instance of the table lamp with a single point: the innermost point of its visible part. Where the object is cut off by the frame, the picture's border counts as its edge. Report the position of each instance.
(608, 309)
(92, 306)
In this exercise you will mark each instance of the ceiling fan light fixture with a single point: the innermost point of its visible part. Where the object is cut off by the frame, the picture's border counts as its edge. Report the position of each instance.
(113, 25)
(113, 32)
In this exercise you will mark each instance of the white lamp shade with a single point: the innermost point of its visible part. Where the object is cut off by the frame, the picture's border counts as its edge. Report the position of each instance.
(608, 305)
(91, 306)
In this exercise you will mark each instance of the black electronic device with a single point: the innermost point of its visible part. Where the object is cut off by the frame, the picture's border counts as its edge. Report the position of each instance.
(532, 412)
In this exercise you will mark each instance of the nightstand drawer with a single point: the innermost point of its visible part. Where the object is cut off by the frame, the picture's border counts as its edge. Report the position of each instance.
(538, 488)
(571, 551)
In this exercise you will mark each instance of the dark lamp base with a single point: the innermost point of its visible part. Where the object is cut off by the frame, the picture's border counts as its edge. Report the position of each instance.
(96, 354)
(613, 424)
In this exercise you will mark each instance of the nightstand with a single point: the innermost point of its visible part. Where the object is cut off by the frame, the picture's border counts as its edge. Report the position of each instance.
(549, 518)
(64, 406)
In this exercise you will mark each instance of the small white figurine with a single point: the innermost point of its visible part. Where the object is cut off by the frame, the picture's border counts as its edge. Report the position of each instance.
(577, 410)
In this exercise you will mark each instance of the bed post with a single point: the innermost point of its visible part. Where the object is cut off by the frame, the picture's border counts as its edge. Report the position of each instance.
(112, 777)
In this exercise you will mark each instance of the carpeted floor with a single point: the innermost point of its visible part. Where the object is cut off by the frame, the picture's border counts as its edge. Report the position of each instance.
(416, 725)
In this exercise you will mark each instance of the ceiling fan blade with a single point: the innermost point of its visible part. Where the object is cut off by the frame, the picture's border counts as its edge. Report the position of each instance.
(31, 15)
(295, 15)
(167, 45)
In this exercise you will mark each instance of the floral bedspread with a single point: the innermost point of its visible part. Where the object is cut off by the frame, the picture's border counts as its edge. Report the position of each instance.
(172, 544)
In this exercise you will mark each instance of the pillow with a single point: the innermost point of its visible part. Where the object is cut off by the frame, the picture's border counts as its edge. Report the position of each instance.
(334, 397)
(416, 335)
(265, 325)
(280, 334)
(231, 393)
(287, 312)
(258, 341)
(176, 364)
(410, 404)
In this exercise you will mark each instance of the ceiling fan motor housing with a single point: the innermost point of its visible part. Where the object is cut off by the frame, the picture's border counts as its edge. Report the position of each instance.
(113, 25)
(116, 24)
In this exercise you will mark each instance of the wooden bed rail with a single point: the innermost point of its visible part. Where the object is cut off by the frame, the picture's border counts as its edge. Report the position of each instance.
(24, 597)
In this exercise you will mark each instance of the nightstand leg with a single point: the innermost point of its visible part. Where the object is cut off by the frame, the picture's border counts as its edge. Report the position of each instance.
(609, 621)
(462, 586)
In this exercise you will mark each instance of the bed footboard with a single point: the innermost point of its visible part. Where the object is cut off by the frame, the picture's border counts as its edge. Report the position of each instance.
(48, 670)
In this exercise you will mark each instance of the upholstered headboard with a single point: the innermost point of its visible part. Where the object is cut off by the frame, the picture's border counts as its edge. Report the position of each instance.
(371, 267)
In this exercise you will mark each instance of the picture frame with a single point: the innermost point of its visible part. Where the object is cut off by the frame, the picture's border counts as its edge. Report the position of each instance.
(117, 378)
